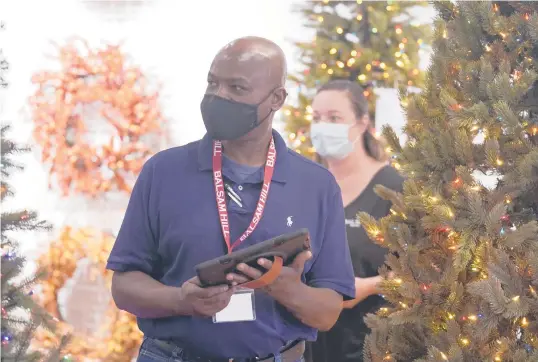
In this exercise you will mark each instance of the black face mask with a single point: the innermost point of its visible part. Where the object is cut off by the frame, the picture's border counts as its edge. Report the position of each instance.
(225, 119)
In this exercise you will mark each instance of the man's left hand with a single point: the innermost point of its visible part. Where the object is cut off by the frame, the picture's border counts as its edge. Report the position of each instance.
(288, 278)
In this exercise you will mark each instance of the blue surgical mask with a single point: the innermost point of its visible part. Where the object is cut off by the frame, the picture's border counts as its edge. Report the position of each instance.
(331, 140)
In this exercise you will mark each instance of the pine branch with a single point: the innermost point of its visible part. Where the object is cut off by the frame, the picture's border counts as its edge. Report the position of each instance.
(16, 296)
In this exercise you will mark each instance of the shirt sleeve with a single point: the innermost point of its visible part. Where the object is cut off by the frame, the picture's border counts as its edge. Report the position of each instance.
(135, 248)
(332, 267)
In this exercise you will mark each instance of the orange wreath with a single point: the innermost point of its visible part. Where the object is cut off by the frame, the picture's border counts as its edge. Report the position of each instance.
(92, 88)
(118, 338)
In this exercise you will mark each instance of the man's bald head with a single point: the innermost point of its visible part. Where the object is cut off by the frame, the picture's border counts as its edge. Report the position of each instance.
(249, 72)
(261, 51)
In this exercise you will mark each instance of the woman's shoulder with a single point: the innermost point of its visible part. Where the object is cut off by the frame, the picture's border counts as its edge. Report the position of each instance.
(389, 177)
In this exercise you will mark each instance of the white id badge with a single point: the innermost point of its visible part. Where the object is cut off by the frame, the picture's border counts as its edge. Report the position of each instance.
(240, 308)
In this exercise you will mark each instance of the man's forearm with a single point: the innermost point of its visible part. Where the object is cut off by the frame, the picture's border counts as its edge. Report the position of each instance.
(143, 296)
(316, 307)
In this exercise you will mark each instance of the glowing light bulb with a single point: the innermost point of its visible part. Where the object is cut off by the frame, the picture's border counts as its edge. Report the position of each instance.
(330, 71)
(333, 51)
(320, 19)
(339, 30)
(323, 66)
(359, 17)
(353, 53)
(516, 298)
(362, 77)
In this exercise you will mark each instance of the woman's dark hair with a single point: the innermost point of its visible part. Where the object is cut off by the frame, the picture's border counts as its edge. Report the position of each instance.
(373, 146)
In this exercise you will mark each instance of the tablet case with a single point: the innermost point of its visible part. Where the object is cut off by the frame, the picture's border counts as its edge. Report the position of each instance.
(287, 246)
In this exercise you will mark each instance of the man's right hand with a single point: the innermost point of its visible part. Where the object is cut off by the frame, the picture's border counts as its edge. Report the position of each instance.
(204, 302)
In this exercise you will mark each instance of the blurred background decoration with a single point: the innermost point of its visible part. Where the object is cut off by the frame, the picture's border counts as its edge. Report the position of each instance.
(117, 10)
(375, 43)
(77, 292)
(96, 94)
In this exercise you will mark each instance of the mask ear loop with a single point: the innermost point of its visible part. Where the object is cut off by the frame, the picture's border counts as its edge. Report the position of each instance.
(368, 129)
(354, 142)
(258, 122)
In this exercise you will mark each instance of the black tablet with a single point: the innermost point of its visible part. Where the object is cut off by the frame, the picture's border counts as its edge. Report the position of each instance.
(287, 246)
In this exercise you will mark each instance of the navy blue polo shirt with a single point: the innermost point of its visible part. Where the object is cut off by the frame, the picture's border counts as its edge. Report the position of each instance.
(171, 225)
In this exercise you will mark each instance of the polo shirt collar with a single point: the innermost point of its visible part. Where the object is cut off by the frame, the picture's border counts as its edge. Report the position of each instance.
(205, 159)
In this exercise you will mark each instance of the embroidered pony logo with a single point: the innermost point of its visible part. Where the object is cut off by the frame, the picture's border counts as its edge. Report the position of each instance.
(289, 221)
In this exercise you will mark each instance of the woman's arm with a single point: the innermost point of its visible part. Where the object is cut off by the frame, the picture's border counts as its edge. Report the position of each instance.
(364, 287)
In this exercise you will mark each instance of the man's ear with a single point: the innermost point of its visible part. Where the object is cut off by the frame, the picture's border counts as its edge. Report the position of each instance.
(279, 98)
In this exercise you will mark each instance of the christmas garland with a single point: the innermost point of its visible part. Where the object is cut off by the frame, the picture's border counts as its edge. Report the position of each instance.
(95, 88)
(119, 338)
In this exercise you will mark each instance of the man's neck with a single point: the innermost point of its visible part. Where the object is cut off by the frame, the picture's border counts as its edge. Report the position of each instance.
(248, 153)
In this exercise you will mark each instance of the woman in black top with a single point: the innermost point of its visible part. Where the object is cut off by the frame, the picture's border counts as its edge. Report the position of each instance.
(343, 136)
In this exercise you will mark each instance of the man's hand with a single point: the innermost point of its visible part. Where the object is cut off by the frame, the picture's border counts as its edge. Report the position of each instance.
(289, 277)
(204, 302)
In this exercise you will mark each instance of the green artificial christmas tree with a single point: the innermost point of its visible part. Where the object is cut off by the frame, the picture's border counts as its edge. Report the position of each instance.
(375, 43)
(464, 253)
(21, 315)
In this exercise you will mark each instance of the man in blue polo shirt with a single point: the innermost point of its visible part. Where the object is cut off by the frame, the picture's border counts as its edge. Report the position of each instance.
(172, 224)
